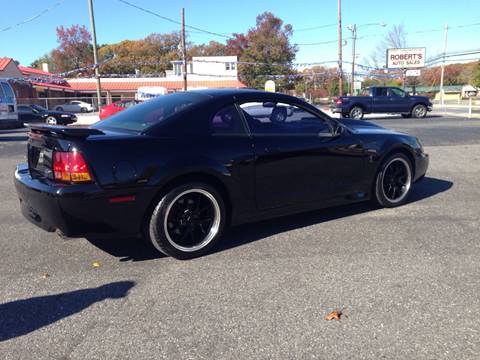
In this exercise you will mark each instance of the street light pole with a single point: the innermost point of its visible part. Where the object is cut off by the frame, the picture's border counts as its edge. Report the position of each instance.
(340, 44)
(442, 72)
(353, 29)
(95, 51)
(354, 40)
(184, 51)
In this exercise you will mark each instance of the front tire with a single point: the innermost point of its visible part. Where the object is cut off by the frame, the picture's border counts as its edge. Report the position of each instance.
(393, 183)
(419, 111)
(51, 120)
(187, 221)
(83, 110)
(356, 113)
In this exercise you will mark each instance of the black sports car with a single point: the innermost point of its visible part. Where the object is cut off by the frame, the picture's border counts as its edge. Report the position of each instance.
(179, 168)
(35, 113)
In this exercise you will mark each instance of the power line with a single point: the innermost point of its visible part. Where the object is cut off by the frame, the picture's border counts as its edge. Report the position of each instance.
(314, 27)
(30, 19)
(172, 20)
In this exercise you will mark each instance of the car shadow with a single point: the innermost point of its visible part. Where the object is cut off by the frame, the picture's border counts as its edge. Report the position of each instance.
(134, 249)
(21, 317)
(126, 248)
(244, 234)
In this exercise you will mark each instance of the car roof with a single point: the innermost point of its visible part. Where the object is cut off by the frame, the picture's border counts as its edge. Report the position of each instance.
(243, 93)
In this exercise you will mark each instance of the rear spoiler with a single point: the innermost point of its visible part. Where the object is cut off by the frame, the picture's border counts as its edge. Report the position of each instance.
(63, 131)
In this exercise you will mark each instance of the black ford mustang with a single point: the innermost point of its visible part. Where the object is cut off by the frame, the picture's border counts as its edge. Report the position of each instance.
(179, 168)
(35, 113)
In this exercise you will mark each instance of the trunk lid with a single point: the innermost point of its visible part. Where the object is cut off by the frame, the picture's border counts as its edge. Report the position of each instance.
(43, 140)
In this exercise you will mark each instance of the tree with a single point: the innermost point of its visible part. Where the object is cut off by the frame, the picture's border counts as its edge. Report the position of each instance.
(476, 75)
(395, 38)
(44, 59)
(213, 48)
(267, 43)
(74, 50)
(151, 55)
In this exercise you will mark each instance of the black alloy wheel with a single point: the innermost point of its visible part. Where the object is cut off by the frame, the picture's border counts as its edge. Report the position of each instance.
(394, 181)
(187, 221)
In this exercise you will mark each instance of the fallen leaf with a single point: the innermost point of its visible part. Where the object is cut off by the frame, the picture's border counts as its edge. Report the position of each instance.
(96, 264)
(45, 275)
(335, 314)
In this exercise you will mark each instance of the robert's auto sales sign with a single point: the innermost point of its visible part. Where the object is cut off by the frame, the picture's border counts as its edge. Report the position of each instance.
(405, 58)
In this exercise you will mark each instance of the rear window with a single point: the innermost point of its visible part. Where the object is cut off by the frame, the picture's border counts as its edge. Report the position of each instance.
(143, 116)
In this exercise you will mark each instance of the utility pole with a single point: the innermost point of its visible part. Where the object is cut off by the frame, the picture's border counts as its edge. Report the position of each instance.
(340, 44)
(184, 51)
(354, 40)
(95, 52)
(443, 65)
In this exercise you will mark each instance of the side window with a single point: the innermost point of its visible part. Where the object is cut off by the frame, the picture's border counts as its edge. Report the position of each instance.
(24, 109)
(227, 121)
(270, 118)
(381, 91)
(396, 92)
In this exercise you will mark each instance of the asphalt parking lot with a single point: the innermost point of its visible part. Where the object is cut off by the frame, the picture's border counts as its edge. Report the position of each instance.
(407, 280)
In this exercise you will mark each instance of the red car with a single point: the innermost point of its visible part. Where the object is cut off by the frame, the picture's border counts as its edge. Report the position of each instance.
(108, 110)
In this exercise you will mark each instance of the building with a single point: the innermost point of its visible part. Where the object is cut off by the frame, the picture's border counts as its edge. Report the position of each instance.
(47, 89)
(30, 85)
(202, 72)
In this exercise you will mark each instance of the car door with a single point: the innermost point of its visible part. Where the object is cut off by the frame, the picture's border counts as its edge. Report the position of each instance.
(298, 160)
(381, 100)
(398, 99)
(25, 113)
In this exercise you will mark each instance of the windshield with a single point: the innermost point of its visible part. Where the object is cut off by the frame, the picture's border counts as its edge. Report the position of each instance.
(38, 108)
(141, 117)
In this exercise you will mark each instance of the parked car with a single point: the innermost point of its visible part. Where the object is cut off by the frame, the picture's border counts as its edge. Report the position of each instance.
(108, 110)
(382, 99)
(75, 106)
(35, 113)
(277, 112)
(179, 168)
(8, 105)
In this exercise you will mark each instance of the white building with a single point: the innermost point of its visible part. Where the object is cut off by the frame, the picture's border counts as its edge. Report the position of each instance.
(206, 68)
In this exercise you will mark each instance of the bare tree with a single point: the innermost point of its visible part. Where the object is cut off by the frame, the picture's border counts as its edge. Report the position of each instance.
(395, 38)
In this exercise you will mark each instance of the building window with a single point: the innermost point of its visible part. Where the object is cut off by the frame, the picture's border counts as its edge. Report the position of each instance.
(230, 66)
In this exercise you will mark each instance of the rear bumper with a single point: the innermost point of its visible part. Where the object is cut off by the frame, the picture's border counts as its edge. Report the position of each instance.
(79, 210)
(335, 110)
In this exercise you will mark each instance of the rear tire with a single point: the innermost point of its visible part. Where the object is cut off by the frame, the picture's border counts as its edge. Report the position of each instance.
(393, 182)
(356, 113)
(419, 111)
(187, 221)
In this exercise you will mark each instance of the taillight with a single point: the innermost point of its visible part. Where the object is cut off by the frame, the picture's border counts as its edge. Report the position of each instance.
(338, 102)
(70, 167)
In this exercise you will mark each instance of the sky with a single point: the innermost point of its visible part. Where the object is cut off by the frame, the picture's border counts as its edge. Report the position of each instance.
(116, 21)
